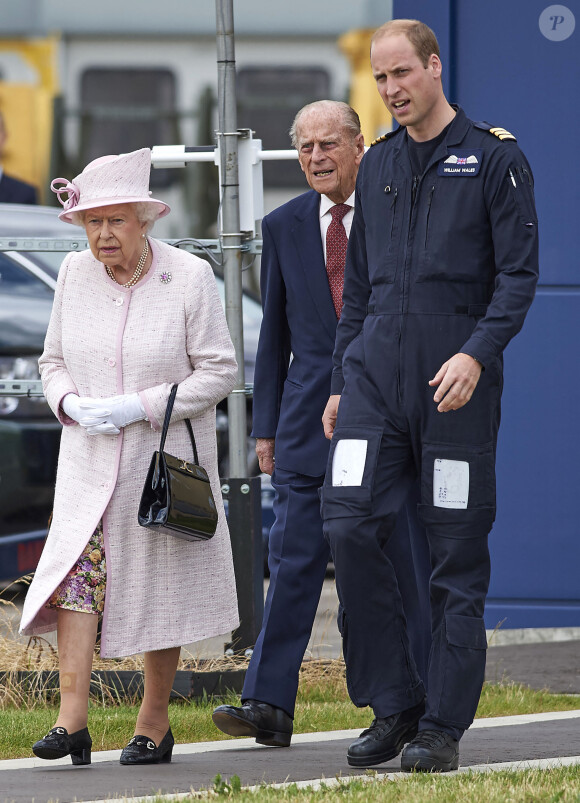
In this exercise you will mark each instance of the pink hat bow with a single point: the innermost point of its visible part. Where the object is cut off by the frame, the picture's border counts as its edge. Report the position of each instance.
(67, 187)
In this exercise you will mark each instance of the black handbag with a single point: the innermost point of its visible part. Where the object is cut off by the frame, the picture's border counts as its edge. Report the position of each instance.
(177, 495)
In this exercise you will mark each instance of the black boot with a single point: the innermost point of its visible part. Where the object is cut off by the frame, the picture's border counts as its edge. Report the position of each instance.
(58, 743)
(142, 750)
(385, 738)
(431, 751)
(266, 723)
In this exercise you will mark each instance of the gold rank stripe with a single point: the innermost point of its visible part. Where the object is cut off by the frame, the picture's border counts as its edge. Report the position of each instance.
(379, 139)
(502, 133)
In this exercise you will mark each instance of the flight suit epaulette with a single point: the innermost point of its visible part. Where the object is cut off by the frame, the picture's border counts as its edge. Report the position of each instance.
(386, 136)
(497, 131)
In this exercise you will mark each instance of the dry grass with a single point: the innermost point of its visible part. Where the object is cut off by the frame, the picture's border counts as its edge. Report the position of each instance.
(36, 653)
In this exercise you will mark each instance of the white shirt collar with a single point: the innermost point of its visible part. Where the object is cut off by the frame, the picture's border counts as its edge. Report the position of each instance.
(326, 204)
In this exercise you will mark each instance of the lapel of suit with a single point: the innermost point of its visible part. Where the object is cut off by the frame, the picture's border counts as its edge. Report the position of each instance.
(306, 234)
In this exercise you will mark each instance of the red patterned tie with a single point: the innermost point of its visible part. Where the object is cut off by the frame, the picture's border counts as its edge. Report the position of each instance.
(336, 243)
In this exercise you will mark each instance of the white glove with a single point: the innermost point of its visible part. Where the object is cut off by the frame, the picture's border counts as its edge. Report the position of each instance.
(108, 416)
(104, 416)
(91, 414)
(71, 404)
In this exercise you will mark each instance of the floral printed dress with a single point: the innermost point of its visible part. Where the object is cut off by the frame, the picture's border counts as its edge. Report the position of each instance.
(83, 589)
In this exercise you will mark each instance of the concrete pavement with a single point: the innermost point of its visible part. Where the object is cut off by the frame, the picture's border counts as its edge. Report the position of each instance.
(493, 742)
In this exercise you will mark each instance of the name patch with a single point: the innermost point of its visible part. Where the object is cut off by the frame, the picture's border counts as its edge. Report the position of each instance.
(461, 163)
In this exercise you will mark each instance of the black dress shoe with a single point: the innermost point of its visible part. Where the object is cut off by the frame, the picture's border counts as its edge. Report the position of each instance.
(431, 751)
(58, 743)
(266, 723)
(385, 738)
(143, 750)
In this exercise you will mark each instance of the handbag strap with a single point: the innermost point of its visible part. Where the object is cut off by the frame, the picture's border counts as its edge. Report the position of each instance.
(168, 411)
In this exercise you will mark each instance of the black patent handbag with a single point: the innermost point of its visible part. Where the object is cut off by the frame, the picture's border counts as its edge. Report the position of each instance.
(177, 495)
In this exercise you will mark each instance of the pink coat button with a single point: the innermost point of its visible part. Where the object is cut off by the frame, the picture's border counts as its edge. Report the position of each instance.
(112, 362)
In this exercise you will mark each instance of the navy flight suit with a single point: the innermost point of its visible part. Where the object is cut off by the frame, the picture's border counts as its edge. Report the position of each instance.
(437, 264)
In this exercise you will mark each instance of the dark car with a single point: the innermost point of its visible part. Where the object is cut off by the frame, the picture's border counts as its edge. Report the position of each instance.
(29, 432)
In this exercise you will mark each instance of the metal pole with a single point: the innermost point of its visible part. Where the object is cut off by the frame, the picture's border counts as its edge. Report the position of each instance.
(230, 225)
(243, 495)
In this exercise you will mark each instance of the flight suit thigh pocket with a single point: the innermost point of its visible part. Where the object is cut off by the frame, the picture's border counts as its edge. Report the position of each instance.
(457, 477)
(350, 473)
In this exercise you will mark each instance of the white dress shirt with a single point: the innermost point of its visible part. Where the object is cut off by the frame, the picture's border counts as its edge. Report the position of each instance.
(325, 217)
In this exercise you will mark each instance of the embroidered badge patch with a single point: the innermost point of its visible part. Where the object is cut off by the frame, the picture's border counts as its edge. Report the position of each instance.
(461, 163)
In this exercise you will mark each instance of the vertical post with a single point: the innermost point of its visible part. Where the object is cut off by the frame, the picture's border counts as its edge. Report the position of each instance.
(242, 495)
(230, 225)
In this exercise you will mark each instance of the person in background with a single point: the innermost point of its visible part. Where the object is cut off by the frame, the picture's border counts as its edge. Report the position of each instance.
(131, 317)
(441, 270)
(304, 248)
(12, 190)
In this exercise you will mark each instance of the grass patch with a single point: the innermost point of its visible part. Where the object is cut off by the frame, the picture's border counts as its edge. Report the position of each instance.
(532, 786)
(561, 785)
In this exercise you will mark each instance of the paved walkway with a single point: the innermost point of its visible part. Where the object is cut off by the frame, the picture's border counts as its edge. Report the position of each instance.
(551, 739)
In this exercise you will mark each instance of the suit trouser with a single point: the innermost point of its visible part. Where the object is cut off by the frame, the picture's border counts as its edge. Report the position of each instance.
(298, 557)
(390, 415)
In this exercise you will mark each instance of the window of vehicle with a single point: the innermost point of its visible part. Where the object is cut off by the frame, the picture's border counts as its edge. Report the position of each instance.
(16, 280)
(127, 109)
(49, 261)
(268, 99)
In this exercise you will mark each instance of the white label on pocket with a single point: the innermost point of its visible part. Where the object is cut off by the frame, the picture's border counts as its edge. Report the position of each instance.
(348, 462)
(450, 483)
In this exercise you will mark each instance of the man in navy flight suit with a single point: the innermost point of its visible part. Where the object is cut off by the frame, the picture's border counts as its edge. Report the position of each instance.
(291, 388)
(12, 190)
(441, 269)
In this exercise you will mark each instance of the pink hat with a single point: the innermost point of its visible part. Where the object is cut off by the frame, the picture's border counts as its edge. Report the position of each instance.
(108, 180)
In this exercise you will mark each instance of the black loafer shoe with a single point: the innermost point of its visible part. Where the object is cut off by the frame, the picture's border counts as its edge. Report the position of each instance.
(385, 738)
(266, 723)
(142, 750)
(431, 751)
(58, 743)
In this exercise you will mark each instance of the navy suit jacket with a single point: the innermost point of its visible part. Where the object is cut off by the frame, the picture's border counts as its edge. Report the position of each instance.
(299, 322)
(13, 191)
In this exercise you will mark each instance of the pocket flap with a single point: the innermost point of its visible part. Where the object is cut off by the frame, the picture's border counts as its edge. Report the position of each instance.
(465, 631)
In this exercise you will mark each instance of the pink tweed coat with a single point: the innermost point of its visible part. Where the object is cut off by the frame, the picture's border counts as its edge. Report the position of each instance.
(104, 340)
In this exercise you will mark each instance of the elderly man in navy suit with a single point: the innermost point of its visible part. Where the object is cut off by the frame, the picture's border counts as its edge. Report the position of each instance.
(12, 190)
(304, 249)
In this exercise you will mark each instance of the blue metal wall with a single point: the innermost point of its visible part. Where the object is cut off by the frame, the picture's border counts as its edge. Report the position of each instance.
(516, 64)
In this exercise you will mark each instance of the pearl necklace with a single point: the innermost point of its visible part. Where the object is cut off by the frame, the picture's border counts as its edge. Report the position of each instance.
(138, 270)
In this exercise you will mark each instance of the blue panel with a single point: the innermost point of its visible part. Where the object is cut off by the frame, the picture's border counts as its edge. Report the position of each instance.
(530, 613)
(439, 17)
(510, 74)
(535, 541)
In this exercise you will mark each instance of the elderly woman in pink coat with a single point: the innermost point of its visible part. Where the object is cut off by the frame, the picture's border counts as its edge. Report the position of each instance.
(131, 317)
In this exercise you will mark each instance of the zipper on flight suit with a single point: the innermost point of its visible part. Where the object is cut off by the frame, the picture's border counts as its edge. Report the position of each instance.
(429, 199)
(414, 191)
(394, 210)
(392, 207)
(414, 186)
